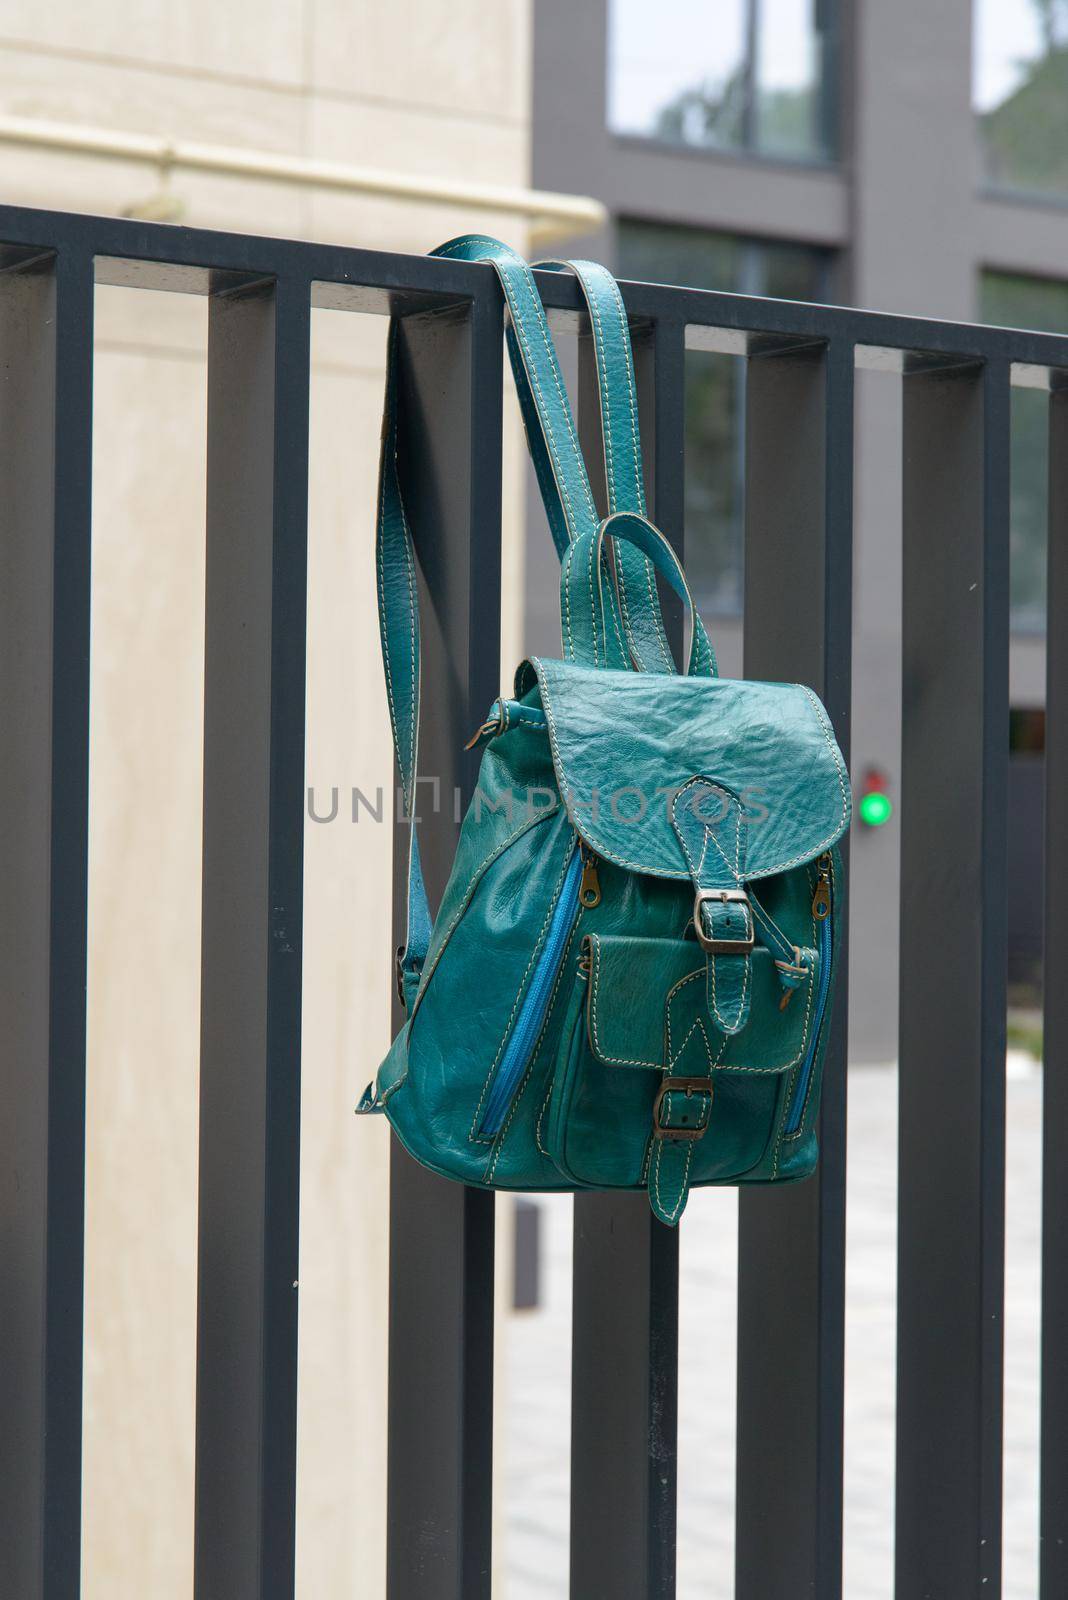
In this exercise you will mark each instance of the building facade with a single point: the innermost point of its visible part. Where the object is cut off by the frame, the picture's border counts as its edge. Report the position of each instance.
(907, 158)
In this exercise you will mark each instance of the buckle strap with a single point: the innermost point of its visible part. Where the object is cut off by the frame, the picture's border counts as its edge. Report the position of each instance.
(682, 1111)
(709, 821)
(723, 921)
(682, 1108)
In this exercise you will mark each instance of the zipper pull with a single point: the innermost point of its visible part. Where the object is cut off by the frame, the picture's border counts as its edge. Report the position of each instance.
(590, 887)
(821, 900)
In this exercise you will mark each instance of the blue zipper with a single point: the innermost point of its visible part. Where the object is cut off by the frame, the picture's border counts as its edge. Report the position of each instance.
(823, 944)
(535, 1002)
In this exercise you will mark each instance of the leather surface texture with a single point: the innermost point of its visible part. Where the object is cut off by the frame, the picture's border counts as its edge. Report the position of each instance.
(623, 743)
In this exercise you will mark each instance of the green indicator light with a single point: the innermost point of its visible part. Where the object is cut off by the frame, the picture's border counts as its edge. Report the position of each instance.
(875, 809)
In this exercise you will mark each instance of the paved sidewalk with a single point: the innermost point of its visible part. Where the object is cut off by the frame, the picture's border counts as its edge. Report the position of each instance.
(536, 1456)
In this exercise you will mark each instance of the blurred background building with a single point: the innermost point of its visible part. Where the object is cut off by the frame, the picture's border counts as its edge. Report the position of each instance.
(910, 157)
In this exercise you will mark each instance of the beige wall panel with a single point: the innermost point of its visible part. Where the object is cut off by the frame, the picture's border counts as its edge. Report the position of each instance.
(167, 324)
(144, 974)
(240, 39)
(468, 55)
(347, 966)
(145, 99)
(350, 343)
(412, 140)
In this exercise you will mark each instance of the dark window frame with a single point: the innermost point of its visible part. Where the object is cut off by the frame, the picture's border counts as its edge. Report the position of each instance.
(751, 260)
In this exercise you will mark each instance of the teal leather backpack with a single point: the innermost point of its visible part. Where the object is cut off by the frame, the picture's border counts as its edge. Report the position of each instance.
(628, 981)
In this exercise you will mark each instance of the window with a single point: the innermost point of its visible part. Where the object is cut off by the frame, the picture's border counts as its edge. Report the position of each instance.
(715, 384)
(738, 75)
(1014, 301)
(1021, 93)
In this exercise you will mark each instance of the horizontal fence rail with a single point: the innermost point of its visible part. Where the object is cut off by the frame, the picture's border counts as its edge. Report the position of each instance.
(800, 362)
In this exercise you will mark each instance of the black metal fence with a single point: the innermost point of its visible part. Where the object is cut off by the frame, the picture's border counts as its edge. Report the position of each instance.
(799, 443)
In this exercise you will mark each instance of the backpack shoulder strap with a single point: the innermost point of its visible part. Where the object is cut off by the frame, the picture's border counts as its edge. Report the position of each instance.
(624, 477)
(617, 391)
(553, 442)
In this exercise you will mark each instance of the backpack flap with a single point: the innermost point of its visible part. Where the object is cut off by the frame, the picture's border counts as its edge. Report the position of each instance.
(679, 777)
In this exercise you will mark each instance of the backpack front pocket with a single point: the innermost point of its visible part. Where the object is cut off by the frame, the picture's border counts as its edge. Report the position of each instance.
(638, 1016)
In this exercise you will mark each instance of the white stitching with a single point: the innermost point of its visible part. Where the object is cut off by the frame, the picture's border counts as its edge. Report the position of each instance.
(612, 290)
(812, 1075)
(565, 966)
(707, 1110)
(541, 1117)
(769, 922)
(473, 1135)
(575, 933)
(594, 547)
(729, 1066)
(535, 1059)
(704, 851)
(654, 600)
(613, 1061)
(504, 267)
(790, 1086)
(678, 569)
(684, 1183)
(606, 435)
(569, 556)
(732, 799)
(409, 567)
(828, 735)
(476, 879)
(713, 1001)
(623, 654)
(533, 1063)
(469, 894)
(500, 265)
(697, 1025)
(674, 1057)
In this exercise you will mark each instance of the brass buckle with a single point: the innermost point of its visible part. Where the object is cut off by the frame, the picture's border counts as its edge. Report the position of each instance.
(688, 1087)
(723, 947)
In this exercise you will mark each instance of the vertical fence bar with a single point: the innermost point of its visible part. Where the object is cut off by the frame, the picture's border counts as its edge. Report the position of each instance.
(441, 1234)
(255, 627)
(791, 1241)
(953, 982)
(46, 377)
(624, 1364)
(1054, 1469)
